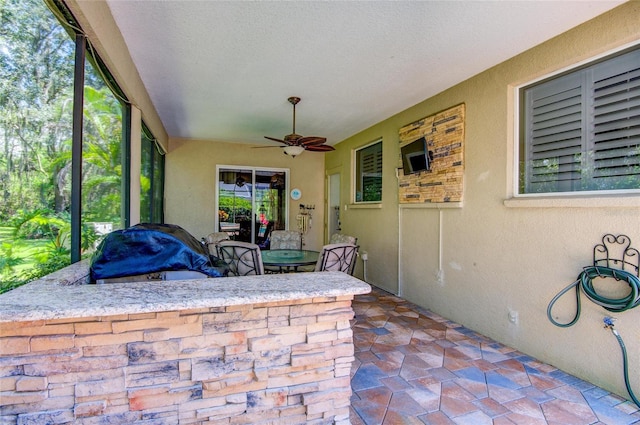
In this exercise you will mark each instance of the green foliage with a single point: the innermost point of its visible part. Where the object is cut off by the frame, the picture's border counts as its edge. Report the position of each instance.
(583, 173)
(37, 224)
(7, 260)
(12, 283)
(241, 206)
(55, 255)
(89, 238)
(52, 263)
(36, 82)
(373, 189)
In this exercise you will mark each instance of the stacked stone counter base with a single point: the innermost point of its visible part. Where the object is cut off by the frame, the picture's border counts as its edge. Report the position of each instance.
(279, 361)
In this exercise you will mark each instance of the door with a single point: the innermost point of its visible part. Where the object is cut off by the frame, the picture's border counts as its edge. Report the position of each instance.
(251, 202)
(333, 205)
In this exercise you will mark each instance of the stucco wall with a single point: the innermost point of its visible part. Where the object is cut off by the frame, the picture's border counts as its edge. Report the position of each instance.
(497, 254)
(191, 175)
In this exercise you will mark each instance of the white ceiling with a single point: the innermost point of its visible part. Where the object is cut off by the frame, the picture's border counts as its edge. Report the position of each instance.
(223, 70)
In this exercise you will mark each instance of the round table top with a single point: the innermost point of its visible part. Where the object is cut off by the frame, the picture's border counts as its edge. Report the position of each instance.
(289, 257)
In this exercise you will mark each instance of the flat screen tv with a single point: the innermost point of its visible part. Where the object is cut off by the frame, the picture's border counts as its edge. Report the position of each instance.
(415, 157)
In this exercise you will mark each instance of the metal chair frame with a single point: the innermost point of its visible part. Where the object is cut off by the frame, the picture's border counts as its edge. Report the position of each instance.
(338, 257)
(242, 258)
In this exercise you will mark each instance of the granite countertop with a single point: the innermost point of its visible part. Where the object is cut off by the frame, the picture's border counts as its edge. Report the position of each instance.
(63, 297)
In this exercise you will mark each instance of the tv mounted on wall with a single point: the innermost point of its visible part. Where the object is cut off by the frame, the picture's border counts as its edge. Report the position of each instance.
(415, 157)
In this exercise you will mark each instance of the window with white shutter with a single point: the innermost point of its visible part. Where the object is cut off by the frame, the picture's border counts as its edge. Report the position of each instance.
(368, 173)
(580, 131)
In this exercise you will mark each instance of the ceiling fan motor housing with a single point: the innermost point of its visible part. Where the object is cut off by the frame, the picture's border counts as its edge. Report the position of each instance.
(293, 137)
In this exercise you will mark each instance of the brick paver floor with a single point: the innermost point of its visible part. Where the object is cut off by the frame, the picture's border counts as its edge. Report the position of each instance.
(415, 367)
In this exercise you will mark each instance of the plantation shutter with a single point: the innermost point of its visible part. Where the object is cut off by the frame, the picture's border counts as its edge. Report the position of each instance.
(616, 122)
(582, 130)
(370, 173)
(372, 162)
(553, 126)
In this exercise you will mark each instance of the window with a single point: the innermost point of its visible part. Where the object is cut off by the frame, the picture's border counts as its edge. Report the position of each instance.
(580, 131)
(151, 179)
(103, 187)
(36, 91)
(368, 169)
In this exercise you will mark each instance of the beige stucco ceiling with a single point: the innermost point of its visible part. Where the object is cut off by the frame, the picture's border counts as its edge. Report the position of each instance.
(223, 70)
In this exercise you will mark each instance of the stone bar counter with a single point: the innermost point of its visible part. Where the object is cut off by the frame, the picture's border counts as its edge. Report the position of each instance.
(272, 349)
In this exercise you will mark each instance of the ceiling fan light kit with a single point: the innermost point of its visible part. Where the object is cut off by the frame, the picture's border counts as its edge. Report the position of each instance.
(293, 150)
(295, 143)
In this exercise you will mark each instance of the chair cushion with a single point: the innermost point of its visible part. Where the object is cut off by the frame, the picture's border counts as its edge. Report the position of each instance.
(342, 238)
(286, 239)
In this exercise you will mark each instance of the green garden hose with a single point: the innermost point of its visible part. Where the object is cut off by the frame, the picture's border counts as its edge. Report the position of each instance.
(625, 362)
(616, 305)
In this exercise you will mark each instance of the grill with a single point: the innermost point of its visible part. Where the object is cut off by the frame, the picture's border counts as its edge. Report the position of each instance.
(152, 252)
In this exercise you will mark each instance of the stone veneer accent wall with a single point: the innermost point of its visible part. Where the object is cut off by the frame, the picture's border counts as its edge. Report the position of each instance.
(279, 363)
(444, 134)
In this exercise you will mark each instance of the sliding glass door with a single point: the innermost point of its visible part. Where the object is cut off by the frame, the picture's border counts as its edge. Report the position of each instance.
(251, 202)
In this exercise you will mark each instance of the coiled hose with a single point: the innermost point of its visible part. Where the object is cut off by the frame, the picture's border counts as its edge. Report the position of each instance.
(615, 305)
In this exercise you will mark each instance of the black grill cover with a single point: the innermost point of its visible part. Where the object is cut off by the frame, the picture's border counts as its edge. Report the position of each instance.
(150, 248)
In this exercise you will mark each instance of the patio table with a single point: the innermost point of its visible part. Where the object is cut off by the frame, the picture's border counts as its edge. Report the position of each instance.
(287, 260)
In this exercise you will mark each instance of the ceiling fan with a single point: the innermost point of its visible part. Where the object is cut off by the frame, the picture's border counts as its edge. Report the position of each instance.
(295, 143)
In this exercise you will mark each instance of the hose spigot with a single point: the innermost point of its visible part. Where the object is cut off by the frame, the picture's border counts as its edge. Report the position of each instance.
(608, 322)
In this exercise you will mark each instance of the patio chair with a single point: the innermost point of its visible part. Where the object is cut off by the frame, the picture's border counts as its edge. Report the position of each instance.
(214, 239)
(286, 239)
(338, 257)
(342, 238)
(283, 239)
(242, 258)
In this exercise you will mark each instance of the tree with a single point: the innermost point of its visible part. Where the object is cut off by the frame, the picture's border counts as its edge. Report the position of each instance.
(36, 83)
(102, 148)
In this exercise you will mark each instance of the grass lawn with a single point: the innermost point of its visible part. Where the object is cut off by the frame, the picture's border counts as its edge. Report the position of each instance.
(22, 248)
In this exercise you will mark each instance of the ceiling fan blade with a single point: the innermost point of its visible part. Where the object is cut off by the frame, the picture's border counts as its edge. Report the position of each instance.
(262, 147)
(311, 141)
(276, 140)
(320, 148)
